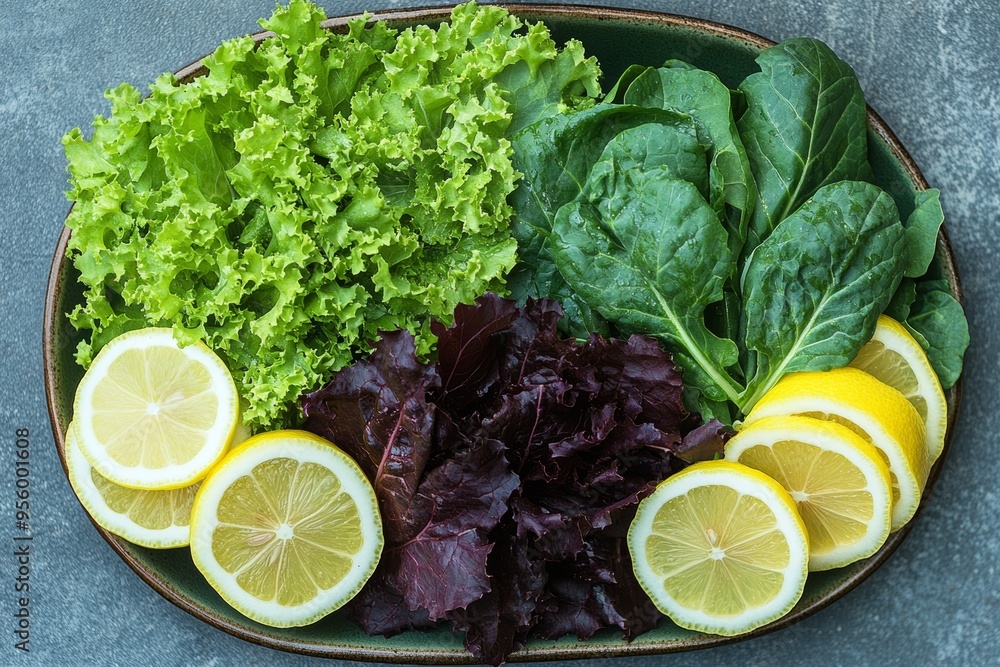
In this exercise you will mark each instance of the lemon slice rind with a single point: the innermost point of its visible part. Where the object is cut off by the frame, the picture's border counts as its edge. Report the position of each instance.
(813, 392)
(217, 436)
(121, 524)
(745, 481)
(304, 448)
(893, 336)
(829, 437)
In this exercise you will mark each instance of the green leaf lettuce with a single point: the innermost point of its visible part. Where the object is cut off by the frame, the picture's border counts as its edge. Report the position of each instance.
(312, 190)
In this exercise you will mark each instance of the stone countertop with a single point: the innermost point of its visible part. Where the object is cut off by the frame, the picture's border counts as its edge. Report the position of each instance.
(929, 67)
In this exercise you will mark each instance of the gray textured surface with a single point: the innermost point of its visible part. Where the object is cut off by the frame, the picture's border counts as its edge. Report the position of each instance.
(931, 69)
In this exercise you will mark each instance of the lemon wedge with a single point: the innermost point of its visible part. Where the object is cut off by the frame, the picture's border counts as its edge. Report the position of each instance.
(149, 414)
(154, 519)
(720, 548)
(286, 528)
(895, 358)
(840, 484)
(872, 409)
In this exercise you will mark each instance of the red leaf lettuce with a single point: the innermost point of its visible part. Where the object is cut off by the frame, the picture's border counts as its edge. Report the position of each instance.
(508, 472)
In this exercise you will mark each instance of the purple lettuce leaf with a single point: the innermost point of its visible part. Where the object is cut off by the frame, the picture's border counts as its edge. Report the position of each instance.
(468, 353)
(377, 412)
(380, 608)
(637, 377)
(533, 349)
(704, 442)
(498, 623)
(576, 607)
(590, 429)
(513, 468)
(443, 560)
(631, 602)
(594, 591)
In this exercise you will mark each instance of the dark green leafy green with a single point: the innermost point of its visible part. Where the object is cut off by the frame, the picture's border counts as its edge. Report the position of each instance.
(681, 87)
(678, 64)
(899, 306)
(617, 93)
(701, 95)
(815, 288)
(676, 149)
(940, 326)
(621, 216)
(922, 231)
(650, 256)
(805, 127)
(555, 156)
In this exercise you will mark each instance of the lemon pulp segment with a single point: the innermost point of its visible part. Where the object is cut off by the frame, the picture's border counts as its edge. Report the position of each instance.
(894, 357)
(873, 410)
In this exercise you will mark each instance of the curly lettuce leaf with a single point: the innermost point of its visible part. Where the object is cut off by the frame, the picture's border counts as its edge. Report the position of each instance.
(311, 191)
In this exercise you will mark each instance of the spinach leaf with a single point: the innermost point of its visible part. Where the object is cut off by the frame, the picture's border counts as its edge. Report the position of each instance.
(815, 288)
(640, 213)
(675, 148)
(555, 157)
(899, 306)
(650, 256)
(922, 231)
(617, 93)
(685, 89)
(943, 330)
(804, 127)
(679, 64)
(681, 87)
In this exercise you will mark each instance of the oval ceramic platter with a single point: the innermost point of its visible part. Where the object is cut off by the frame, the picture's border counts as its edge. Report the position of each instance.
(618, 38)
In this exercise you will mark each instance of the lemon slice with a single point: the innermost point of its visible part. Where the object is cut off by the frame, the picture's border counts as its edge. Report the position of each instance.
(154, 519)
(720, 548)
(152, 415)
(875, 411)
(839, 483)
(286, 528)
(895, 358)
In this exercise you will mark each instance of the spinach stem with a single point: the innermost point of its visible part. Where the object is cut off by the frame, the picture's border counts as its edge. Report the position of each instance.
(719, 376)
